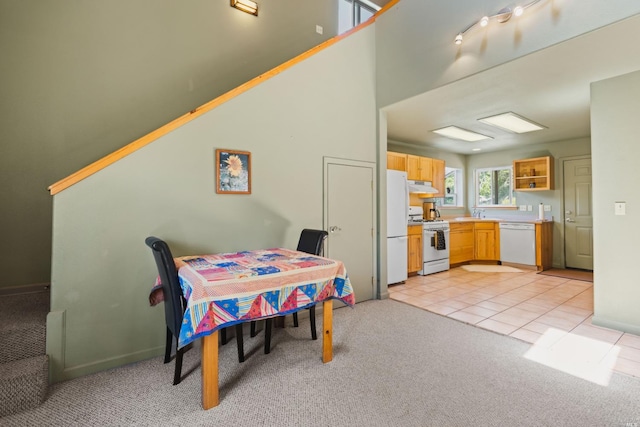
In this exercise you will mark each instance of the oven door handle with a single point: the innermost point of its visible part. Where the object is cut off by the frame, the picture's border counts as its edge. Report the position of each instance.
(432, 237)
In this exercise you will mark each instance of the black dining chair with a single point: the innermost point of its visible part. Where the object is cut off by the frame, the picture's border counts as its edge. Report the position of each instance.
(175, 304)
(311, 241)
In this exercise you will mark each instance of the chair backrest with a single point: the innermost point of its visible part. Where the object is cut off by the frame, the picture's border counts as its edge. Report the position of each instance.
(174, 304)
(311, 241)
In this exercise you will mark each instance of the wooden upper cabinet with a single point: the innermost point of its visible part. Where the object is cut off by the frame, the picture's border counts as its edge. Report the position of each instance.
(396, 161)
(438, 176)
(419, 168)
(533, 174)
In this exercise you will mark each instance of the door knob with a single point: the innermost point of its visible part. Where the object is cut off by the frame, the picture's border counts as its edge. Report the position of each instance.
(569, 220)
(334, 228)
(568, 213)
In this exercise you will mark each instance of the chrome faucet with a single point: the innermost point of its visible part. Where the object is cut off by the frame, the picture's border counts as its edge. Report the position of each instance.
(477, 212)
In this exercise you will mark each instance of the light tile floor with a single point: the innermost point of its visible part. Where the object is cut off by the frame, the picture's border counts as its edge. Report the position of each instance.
(552, 313)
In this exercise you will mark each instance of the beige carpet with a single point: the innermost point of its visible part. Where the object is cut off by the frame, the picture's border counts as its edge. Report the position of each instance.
(481, 268)
(584, 275)
(393, 366)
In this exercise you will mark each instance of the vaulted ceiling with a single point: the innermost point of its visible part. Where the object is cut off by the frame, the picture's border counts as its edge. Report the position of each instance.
(550, 87)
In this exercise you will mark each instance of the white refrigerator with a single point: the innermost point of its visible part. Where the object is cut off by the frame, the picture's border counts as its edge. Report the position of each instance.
(397, 220)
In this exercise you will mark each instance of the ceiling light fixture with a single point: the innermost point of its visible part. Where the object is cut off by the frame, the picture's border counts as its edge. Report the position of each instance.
(462, 134)
(512, 122)
(502, 16)
(248, 6)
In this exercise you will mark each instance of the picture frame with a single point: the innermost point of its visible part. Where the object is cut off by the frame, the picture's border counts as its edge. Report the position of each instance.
(233, 171)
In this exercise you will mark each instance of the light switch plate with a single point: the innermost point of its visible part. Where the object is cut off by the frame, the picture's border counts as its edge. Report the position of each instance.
(319, 29)
(621, 208)
(523, 207)
(547, 208)
(529, 208)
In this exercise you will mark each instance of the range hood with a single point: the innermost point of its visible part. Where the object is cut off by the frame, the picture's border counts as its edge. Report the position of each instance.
(422, 187)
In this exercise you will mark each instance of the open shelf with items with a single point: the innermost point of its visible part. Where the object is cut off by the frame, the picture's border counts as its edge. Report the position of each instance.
(533, 174)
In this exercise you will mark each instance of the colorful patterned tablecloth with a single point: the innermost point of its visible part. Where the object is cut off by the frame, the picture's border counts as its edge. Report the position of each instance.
(229, 288)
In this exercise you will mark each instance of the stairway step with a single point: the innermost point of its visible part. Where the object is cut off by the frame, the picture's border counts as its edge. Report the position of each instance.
(23, 325)
(22, 342)
(23, 384)
(25, 307)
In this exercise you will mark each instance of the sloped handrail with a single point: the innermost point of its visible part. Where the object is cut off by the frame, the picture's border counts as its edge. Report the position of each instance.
(197, 112)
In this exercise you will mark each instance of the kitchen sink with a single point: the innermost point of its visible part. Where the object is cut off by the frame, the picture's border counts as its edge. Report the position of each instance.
(470, 218)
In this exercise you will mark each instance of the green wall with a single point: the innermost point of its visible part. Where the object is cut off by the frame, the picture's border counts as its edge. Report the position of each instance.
(615, 107)
(81, 79)
(102, 271)
(558, 150)
(417, 53)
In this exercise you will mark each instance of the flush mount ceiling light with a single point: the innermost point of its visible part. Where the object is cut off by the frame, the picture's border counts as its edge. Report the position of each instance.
(502, 16)
(512, 122)
(459, 133)
(246, 6)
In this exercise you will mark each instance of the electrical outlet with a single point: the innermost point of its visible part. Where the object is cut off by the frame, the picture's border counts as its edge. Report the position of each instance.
(319, 29)
(523, 208)
(621, 208)
(547, 208)
(529, 208)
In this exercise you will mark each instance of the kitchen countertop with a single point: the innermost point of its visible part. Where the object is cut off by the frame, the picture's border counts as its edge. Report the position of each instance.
(472, 219)
(463, 219)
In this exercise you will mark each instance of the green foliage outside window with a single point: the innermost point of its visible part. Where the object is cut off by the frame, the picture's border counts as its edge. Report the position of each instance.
(494, 187)
(450, 191)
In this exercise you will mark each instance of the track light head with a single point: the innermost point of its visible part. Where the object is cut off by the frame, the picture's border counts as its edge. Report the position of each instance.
(502, 16)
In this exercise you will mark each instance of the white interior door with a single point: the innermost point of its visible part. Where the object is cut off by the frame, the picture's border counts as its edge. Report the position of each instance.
(349, 219)
(578, 214)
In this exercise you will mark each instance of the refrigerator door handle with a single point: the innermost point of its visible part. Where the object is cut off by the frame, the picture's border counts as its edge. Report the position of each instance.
(406, 201)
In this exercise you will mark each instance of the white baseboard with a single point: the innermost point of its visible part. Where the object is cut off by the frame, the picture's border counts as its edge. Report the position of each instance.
(25, 289)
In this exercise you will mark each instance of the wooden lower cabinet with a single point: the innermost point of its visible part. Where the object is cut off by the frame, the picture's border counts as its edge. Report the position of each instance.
(414, 248)
(474, 241)
(487, 239)
(544, 245)
(480, 241)
(461, 243)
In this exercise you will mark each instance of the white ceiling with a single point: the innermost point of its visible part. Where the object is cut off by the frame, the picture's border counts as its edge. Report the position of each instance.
(550, 87)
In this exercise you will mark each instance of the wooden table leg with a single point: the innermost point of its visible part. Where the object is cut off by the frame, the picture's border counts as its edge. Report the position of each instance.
(327, 331)
(209, 365)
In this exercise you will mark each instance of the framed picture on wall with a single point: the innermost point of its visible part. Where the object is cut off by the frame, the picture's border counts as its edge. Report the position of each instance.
(233, 172)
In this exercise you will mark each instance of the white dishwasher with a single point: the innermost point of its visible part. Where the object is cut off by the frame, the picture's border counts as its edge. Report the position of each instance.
(518, 243)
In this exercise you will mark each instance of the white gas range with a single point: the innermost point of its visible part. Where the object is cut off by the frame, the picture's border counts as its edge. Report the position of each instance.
(435, 241)
(435, 246)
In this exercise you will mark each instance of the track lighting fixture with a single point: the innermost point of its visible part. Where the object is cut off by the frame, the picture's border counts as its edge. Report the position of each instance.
(502, 16)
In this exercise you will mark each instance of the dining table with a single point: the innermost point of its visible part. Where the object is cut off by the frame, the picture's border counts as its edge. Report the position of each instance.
(225, 289)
